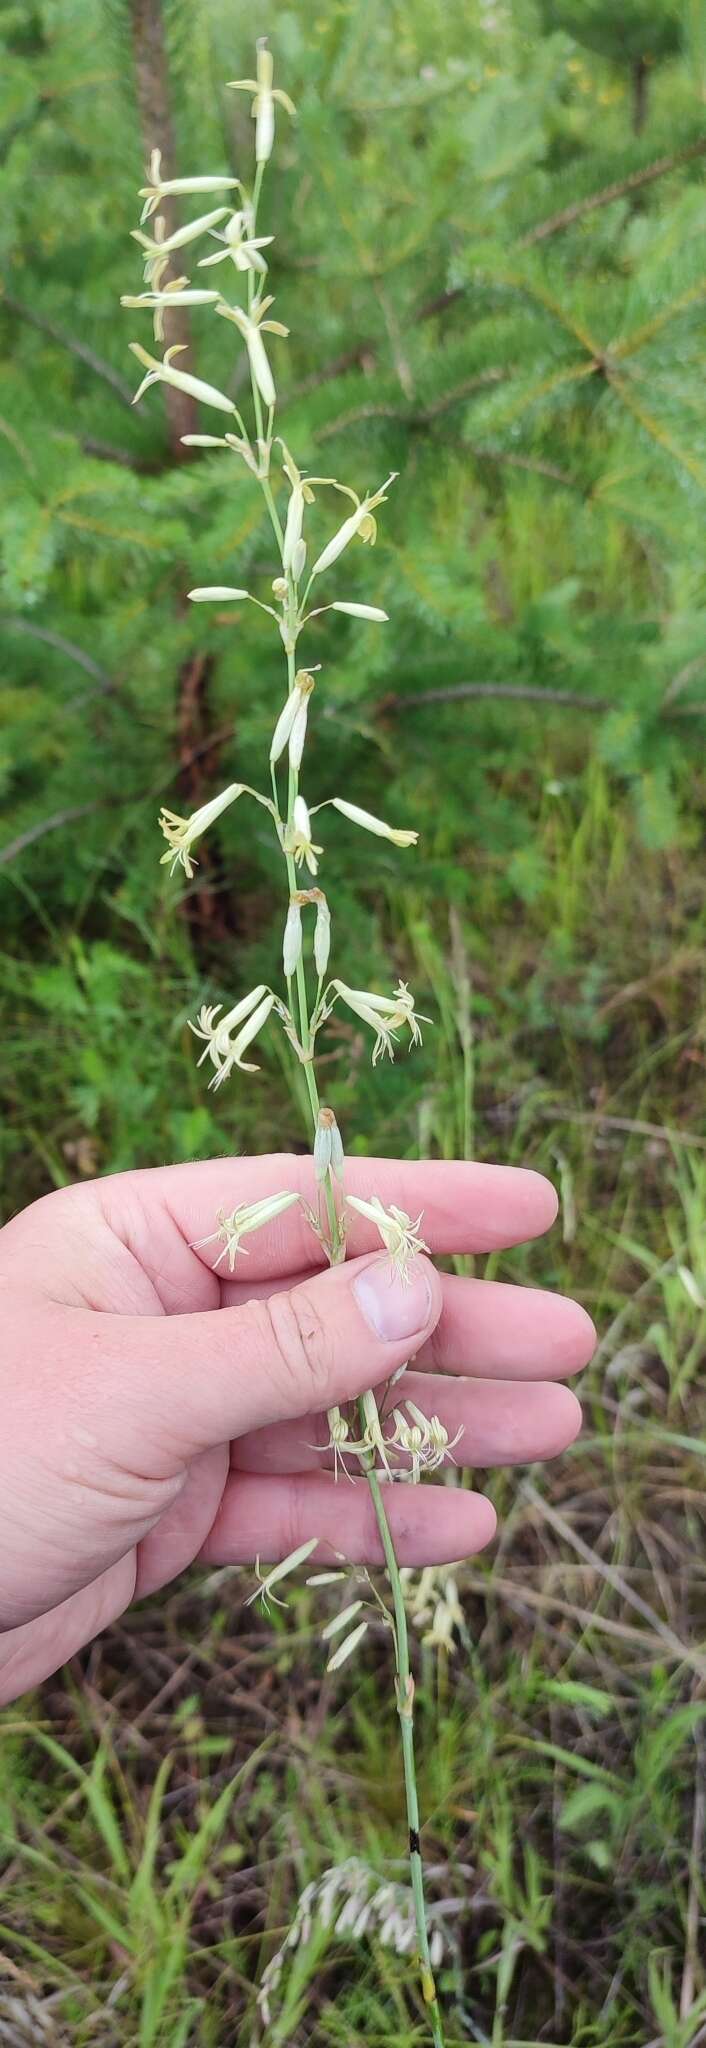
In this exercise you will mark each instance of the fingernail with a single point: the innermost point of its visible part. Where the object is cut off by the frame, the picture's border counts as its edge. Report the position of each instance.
(393, 1307)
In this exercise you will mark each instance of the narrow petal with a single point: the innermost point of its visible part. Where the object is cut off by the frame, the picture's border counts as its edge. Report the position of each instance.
(260, 366)
(219, 592)
(360, 611)
(372, 824)
(346, 1649)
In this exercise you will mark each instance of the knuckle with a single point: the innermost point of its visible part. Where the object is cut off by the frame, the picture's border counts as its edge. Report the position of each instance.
(301, 1345)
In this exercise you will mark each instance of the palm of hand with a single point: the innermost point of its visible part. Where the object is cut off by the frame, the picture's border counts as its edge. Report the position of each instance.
(144, 1430)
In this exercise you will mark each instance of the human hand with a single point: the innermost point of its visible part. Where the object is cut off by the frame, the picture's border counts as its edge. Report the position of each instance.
(155, 1412)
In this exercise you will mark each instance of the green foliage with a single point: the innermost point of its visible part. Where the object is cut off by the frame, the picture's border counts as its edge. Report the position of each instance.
(636, 32)
(538, 386)
(495, 286)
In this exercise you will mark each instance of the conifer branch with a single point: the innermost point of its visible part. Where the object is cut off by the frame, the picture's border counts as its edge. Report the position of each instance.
(555, 223)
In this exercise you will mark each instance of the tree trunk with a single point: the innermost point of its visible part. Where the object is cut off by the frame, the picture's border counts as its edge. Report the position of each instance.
(152, 87)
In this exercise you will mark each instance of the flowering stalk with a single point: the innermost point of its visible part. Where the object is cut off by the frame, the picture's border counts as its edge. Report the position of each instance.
(363, 1436)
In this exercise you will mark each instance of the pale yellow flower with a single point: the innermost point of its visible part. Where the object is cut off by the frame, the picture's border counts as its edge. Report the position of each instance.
(264, 96)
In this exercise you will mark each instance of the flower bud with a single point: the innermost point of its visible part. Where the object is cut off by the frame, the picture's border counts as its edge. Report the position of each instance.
(303, 686)
(292, 944)
(328, 1146)
(293, 527)
(322, 937)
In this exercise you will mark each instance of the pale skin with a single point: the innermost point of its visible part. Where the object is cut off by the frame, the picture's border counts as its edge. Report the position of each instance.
(156, 1413)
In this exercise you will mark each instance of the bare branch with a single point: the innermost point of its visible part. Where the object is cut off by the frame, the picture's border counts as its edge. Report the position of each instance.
(103, 451)
(526, 693)
(34, 832)
(556, 222)
(68, 341)
(417, 417)
(68, 647)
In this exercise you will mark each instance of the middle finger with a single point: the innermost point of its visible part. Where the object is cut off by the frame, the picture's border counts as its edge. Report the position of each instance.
(501, 1424)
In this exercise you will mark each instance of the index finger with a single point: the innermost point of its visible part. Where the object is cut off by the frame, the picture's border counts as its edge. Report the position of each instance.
(465, 1207)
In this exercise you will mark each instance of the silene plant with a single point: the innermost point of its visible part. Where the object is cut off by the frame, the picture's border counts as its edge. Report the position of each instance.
(383, 1435)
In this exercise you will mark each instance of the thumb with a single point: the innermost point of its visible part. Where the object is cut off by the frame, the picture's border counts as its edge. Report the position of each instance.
(165, 1388)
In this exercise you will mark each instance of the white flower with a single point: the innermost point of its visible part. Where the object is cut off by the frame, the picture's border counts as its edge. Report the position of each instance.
(230, 1229)
(360, 522)
(240, 246)
(217, 1036)
(265, 95)
(181, 832)
(216, 593)
(448, 1619)
(292, 943)
(301, 494)
(435, 1447)
(258, 463)
(164, 373)
(175, 293)
(291, 725)
(370, 824)
(161, 245)
(338, 1434)
(289, 1564)
(399, 1234)
(372, 1440)
(358, 611)
(328, 1147)
(384, 1014)
(412, 1438)
(298, 841)
(433, 1598)
(345, 1649)
(252, 325)
(340, 1621)
(155, 258)
(440, 1444)
(225, 1051)
(159, 188)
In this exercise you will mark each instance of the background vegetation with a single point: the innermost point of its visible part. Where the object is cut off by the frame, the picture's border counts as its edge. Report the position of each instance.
(490, 223)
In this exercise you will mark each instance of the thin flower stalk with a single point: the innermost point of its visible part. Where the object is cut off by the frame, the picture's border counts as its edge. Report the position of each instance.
(228, 243)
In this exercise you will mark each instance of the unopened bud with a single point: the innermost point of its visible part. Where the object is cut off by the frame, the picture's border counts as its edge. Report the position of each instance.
(322, 936)
(328, 1147)
(292, 943)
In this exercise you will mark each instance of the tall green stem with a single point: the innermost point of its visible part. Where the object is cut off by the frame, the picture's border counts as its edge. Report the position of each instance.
(404, 1680)
(405, 1709)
